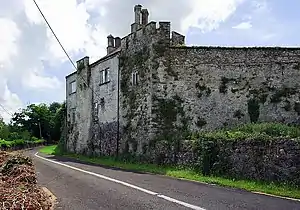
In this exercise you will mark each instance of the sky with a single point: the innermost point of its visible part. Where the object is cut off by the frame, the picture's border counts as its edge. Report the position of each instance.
(33, 66)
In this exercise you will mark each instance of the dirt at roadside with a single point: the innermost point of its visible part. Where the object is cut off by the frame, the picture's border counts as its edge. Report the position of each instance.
(18, 184)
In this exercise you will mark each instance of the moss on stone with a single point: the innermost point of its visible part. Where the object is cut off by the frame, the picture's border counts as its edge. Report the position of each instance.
(238, 114)
(287, 107)
(223, 85)
(203, 89)
(280, 93)
(80, 67)
(297, 107)
(201, 122)
(167, 112)
(171, 72)
(154, 64)
(260, 94)
(253, 109)
(296, 66)
(160, 48)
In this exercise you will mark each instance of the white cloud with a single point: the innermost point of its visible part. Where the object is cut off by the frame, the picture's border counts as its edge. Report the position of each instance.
(82, 29)
(9, 48)
(35, 80)
(207, 15)
(69, 21)
(243, 25)
(8, 40)
(10, 101)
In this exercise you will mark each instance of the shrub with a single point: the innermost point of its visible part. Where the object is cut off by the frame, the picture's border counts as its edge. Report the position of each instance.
(271, 129)
(210, 147)
(13, 136)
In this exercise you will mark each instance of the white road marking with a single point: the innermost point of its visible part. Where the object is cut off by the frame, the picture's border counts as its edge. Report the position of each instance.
(125, 184)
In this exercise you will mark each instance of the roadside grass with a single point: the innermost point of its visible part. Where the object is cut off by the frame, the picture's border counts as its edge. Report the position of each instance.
(49, 150)
(283, 190)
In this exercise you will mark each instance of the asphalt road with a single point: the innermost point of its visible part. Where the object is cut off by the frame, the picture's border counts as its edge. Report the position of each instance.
(88, 186)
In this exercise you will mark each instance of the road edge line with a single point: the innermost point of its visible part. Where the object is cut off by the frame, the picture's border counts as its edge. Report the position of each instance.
(275, 196)
(191, 206)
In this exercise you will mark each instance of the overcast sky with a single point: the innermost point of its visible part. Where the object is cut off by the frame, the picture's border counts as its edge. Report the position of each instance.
(33, 67)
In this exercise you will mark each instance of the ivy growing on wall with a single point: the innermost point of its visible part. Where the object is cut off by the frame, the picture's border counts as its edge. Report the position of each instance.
(253, 109)
(80, 67)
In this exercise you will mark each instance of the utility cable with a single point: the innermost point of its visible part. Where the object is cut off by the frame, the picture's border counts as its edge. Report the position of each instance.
(60, 43)
(6, 110)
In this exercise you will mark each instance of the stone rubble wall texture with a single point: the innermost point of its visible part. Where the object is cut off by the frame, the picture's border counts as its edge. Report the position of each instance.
(277, 159)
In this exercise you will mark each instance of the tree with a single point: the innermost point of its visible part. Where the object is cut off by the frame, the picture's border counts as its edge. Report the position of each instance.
(57, 121)
(4, 131)
(40, 120)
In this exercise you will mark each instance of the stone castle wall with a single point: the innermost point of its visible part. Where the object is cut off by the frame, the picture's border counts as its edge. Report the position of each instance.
(221, 87)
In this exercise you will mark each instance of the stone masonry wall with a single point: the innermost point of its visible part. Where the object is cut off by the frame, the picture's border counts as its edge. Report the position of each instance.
(276, 159)
(223, 87)
(71, 105)
(104, 127)
(79, 131)
(208, 88)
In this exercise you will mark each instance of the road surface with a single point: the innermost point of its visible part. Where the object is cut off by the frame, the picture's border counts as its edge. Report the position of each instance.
(87, 187)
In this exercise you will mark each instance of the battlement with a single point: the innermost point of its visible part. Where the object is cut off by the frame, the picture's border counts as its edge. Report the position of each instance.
(142, 31)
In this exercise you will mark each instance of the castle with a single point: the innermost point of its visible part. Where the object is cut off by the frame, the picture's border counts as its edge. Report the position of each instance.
(150, 89)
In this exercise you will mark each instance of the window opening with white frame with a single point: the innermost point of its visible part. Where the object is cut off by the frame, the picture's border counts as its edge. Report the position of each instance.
(96, 109)
(135, 78)
(104, 76)
(73, 87)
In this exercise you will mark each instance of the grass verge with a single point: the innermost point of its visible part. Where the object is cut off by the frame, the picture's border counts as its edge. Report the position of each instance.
(187, 174)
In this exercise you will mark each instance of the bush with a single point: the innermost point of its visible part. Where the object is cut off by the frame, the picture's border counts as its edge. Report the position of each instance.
(270, 129)
(210, 147)
(13, 136)
(19, 143)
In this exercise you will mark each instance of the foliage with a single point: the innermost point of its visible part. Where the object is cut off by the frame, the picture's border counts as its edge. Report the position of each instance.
(39, 120)
(35, 124)
(19, 143)
(253, 110)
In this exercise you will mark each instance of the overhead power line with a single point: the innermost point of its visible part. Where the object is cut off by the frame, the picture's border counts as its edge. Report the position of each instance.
(6, 110)
(86, 83)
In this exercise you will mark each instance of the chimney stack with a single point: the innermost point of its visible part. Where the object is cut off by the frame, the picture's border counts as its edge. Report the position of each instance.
(117, 42)
(111, 44)
(137, 18)
(145, 16)
(137, 12)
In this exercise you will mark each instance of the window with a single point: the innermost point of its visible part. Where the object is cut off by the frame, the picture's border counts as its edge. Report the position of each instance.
(73, 87)
(135, 78)
(104, 76)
